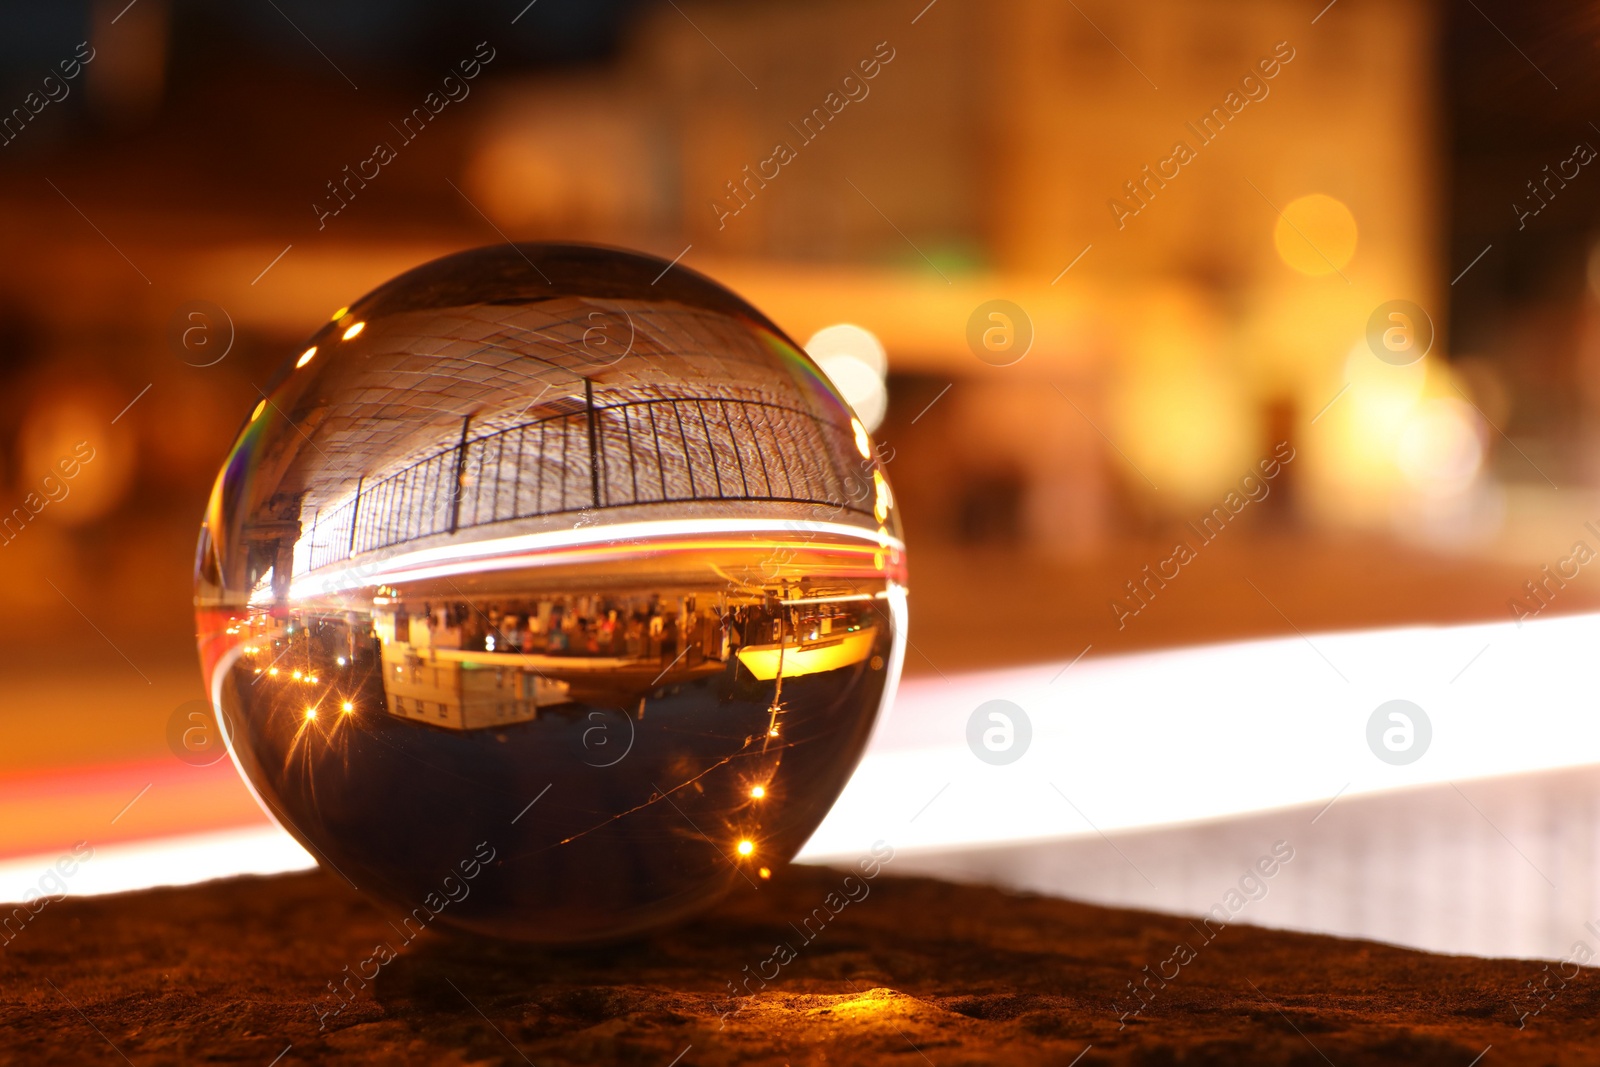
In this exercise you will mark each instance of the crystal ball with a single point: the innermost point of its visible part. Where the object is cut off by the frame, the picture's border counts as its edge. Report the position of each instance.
(550, 592)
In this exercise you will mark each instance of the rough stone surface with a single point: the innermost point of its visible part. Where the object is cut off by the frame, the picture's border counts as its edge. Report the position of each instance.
(917, 972)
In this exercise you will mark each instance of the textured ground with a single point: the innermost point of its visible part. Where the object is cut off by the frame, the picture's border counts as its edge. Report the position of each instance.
(918, 972)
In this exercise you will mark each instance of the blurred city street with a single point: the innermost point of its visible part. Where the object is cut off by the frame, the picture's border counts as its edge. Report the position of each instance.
(1241, 331)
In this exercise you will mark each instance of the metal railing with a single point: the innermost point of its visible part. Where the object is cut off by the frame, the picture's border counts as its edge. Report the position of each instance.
(637, 452)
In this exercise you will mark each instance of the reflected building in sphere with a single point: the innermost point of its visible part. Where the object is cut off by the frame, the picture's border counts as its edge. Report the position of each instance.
(560, 553)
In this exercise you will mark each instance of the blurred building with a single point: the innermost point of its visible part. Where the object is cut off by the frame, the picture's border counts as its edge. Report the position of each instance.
(1198, 211)
(839, 161)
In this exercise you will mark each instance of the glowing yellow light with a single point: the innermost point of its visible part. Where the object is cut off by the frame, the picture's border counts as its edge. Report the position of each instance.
(772, 732)
(347, 707)
(272, 671)
(341, 313)
(758, 792)
(746, 847)
(296, 676)
(256, 414)
(763, 661)
(258, 670)
(311, 713)
(313, 679)
(765, 872)
(353, 329)
(863, 442)
(1315, 234)
(882, 501)
(305, 357)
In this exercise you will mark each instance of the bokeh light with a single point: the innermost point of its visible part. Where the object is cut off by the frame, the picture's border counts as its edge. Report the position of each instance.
(1315, 234)
(1440, 449)
(74, 426)
(1180, 418)
(855, 361)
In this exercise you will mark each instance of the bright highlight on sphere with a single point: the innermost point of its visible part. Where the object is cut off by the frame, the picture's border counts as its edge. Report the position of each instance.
(863, 442)
(1441, 448)
(854, 360)
(1315, 234)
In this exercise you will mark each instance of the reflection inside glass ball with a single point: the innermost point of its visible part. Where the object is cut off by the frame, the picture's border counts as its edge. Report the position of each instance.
(549, 600)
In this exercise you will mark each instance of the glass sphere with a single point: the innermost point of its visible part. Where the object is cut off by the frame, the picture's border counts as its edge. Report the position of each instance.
(551, 592)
